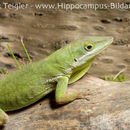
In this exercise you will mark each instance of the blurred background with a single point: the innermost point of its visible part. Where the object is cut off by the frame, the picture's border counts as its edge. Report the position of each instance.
(46, 30)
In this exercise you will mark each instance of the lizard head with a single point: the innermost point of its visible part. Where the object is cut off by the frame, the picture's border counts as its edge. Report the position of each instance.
(85, 50)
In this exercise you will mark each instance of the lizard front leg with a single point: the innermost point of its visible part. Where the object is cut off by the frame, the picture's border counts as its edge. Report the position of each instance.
(3, 117)
(61, 95)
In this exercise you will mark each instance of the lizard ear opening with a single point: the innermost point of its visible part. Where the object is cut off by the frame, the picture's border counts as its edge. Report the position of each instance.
(75, 59)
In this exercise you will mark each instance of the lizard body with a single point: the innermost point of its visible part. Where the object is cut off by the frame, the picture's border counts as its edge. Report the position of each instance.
(65, 66)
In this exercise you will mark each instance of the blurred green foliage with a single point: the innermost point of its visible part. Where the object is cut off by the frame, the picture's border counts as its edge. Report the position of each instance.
(119, 78)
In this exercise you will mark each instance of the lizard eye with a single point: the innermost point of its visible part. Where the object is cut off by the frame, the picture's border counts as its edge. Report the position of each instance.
(88, 47)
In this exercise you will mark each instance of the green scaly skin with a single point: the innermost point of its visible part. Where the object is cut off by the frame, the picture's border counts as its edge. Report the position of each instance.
(65, 66)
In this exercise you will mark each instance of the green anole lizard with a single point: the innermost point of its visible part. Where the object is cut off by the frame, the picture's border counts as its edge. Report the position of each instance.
(65, 66)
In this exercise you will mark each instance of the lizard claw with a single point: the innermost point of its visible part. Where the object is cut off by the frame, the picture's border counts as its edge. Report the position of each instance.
(83, 96)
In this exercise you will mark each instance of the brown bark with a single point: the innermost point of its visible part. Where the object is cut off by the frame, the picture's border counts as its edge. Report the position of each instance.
(107, 107)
